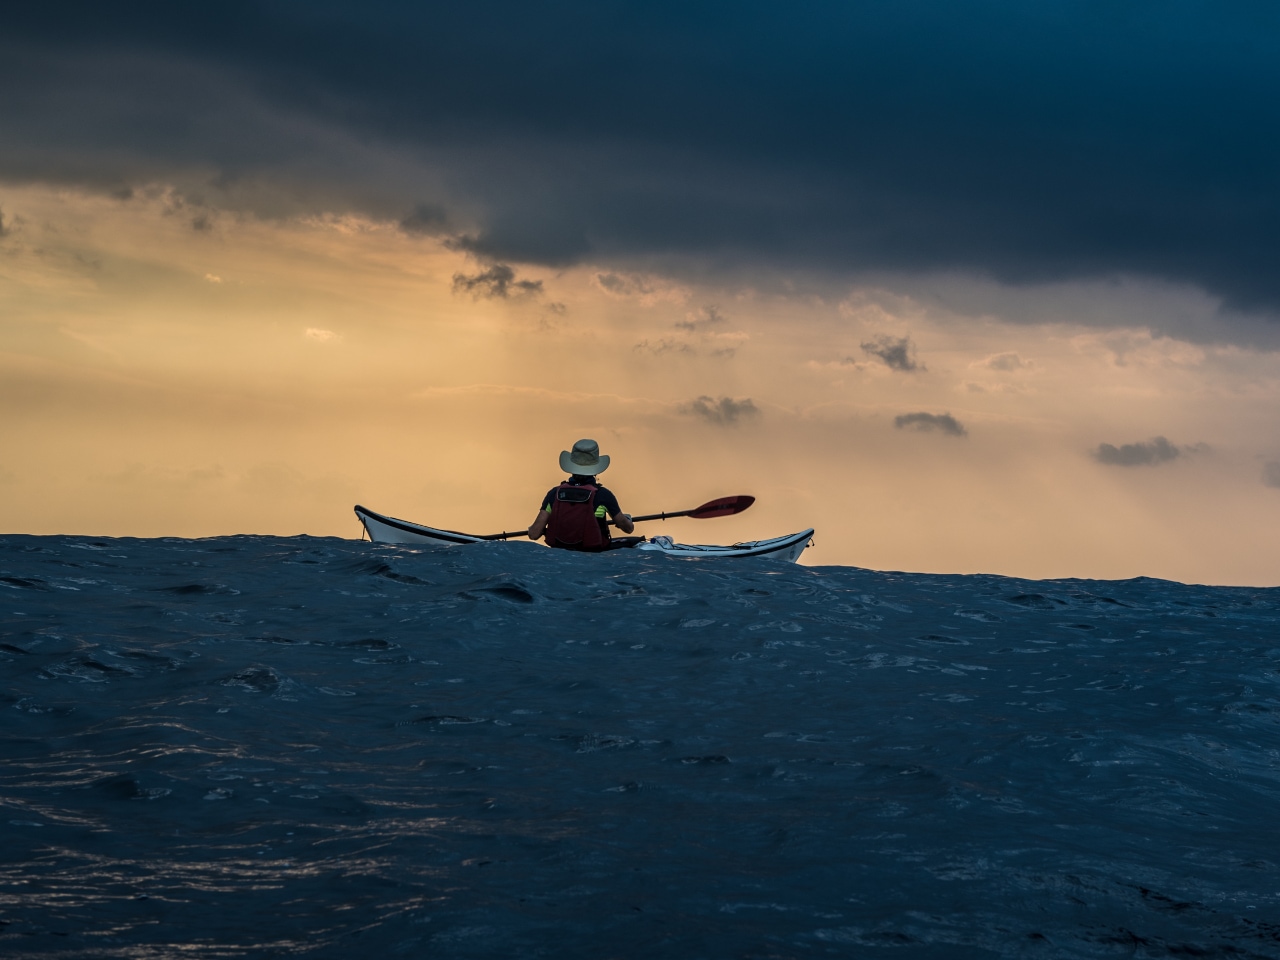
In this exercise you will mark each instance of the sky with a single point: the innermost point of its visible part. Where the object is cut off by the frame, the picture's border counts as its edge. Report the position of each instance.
(967, 287)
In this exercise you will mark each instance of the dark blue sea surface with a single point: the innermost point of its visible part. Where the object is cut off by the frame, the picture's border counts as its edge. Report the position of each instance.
(260, 746)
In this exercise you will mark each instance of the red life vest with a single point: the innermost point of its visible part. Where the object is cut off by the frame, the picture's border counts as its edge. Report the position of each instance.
(573, 524)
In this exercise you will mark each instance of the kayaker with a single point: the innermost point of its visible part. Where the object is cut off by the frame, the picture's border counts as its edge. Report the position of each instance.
(573, 514)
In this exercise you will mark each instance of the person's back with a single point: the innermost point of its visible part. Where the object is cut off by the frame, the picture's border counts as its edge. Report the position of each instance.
(575, 515)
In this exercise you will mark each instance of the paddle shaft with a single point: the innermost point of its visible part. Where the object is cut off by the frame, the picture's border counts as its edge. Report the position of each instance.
(612, 523)
(723, 507)
(660, 516)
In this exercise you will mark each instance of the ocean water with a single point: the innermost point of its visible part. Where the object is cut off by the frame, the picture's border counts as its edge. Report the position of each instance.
(259, 746)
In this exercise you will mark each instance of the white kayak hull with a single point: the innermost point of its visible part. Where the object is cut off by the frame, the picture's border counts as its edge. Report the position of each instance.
(786, 548)
(383, 529)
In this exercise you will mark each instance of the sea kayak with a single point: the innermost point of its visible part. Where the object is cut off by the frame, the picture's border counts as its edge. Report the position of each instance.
(382, 529)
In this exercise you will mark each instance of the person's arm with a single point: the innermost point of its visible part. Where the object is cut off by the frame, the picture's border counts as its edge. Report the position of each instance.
(539, 525)
(609, 502)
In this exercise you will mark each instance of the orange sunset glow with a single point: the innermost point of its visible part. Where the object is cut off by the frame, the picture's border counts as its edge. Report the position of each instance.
(262, 376)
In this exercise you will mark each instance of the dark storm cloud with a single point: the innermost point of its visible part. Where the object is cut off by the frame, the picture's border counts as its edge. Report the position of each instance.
(722, 411)
(927, 422)
(497, 282)
(4, 230)
(426, 219)
(1024, 142)
(1157, 451)
(898, 353)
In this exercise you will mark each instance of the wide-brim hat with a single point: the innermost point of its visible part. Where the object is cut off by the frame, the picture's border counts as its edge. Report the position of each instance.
(584, 460)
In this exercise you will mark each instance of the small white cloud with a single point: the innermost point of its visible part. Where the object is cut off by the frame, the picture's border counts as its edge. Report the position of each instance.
(659, 347)
(1157, 451)
(928, 422)
(644, 289)
(722, 411)
(973, 386)
(617, 285)
(1005, 362)
(212, 278)
(898, 353)
(322, 336)
(706, 317)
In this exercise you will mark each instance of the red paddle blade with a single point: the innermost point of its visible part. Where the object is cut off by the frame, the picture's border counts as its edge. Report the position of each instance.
(724, 507)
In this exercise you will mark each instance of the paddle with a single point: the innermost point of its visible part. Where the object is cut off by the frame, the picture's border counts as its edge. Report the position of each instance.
(723, 507)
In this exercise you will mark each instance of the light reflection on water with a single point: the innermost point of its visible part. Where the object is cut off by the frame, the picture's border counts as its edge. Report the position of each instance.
(260, 746)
